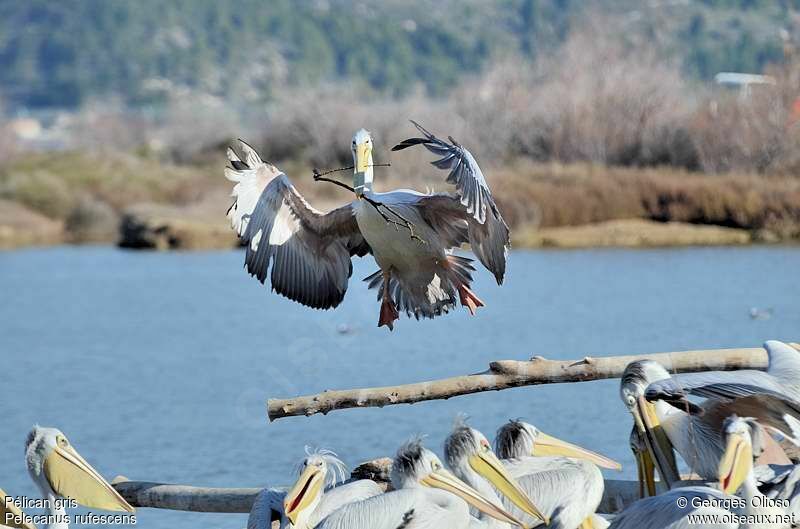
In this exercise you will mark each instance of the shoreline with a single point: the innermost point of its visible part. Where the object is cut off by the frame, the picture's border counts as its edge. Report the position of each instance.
(161, 234)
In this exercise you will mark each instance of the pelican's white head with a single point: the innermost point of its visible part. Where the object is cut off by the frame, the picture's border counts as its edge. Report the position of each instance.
(415, 466)
(468, 453)
(362, 162)
(318, 470)
(59, 471)
(517, 439)
(743, 444)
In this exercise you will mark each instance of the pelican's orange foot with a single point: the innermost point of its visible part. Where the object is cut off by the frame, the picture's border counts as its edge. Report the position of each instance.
(469, 299)
(388, 315)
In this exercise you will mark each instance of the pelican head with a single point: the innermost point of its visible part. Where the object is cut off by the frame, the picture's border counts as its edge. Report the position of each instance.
(416, 466)
(517, 439)
(658, 454)
(743, 444)
(60, 472)
(318, 470)
(362, 162)
(467, 451)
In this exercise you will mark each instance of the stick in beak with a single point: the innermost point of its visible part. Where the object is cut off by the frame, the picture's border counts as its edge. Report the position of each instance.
(71, 476)
(443, 479)
(487, 465)
(304, 494)
(735, 464)
(547, 445)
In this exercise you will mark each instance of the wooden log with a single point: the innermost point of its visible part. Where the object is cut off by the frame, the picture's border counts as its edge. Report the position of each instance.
(618, 494)
(512, 373)
(185, 497)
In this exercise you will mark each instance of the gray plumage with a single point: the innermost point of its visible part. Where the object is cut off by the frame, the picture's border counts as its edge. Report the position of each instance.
(662, 511)
(782, 376)
(310, 251)
(411, 506)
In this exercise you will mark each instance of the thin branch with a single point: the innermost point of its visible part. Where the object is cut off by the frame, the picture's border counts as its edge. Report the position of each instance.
(404, 222)
(511, 373)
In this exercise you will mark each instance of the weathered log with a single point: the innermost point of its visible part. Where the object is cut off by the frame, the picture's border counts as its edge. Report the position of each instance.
(618, 495)
(512, 373)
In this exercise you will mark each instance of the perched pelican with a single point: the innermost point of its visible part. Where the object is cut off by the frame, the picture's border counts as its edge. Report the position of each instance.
(318, 470)
(526, 449)
(11, 515)
(782, 376)
(694, 430)
(744, 443)
(425, 496)
(60, 472)
(664, 512)
(567, 494)
(410, 234)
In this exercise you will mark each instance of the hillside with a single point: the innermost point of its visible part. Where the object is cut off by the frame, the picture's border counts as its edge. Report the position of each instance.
(63, 54)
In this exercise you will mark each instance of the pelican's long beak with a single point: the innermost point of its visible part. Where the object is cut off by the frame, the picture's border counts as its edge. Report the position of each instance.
(71, 476)
(736, 463)
(445, 480)
(11, 515)
(547, 445)
(304, 492)
(487, 465)
(362, 157)
(645, 470)
(657, 442)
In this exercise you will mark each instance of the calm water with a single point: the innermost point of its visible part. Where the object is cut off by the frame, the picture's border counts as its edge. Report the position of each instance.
(158, 365)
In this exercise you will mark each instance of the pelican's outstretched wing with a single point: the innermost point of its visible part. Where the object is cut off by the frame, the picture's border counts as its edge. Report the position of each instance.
(310, 250)
(489, 240)
(714, 385)
(465, 173)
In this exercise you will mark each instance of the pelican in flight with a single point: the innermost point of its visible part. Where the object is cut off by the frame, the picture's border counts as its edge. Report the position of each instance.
(11, 515)
(411, 235)
(60, 472)
(318, 492)
(694, 430)
(566, 490)
(425, 496)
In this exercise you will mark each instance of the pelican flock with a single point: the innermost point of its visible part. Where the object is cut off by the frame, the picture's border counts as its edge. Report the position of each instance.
(738, 441)
(411, 235)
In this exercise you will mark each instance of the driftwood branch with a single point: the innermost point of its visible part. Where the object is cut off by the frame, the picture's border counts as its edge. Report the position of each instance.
(617, 495)
(512, 373)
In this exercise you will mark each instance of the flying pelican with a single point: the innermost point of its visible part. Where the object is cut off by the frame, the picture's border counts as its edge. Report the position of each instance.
(410, 234)
(425, 496)
(568, 493)
(11, 515)
(319, 469)
(60, 472)
(694, 430)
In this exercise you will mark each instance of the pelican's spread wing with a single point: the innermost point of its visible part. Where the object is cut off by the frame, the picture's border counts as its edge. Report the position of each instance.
(489, 240)
(310, 251)
(465, 173)
(713, 384)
